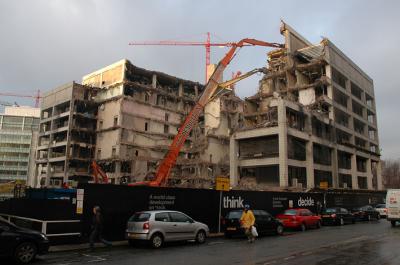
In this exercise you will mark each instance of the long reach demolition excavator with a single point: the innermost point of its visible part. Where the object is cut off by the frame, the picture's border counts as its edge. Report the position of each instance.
(209, 93)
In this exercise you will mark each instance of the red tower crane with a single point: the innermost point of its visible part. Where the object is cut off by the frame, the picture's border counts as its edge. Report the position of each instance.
(37, 97)
(207, 44)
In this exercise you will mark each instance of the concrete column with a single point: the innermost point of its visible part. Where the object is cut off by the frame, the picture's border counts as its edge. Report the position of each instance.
(354, 176)
(335, 175)
(233, 160)
(180, 90)
(310, 165)
(379, 175)
(154, 81)
(283, 153)
(369, 174)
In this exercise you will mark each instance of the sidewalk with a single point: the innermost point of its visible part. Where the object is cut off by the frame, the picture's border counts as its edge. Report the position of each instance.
(84, 246)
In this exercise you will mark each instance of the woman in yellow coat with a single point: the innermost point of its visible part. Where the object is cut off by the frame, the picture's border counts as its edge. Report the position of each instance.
(247, 221)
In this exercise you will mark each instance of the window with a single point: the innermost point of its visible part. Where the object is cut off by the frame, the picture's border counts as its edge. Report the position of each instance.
(162, 217)
(115, 121)
(136, 153)
(146, 126)
(146, 97)
(100, 124)
(114, 151)
(139, 217)
(166, 116)
(179, 217)
(166, 128)
(98, 153)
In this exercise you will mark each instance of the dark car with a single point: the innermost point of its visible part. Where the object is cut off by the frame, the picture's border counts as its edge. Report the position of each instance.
(337, 216)
(265, 223)
(366, 213)
(21, 243)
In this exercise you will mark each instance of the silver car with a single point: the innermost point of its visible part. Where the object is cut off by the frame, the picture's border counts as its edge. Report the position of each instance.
(158, 227)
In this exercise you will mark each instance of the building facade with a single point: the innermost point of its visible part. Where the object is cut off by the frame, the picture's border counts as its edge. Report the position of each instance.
(312, 124)
(18, 137)
(67, 137)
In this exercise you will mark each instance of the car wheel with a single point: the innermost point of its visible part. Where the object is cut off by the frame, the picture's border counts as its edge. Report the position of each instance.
(279, 230)
(318, 225)
(303, 227)
(25, 252)
(341, 221)
(201, 237)
(393, 223)
(157, 240)
(378, 217)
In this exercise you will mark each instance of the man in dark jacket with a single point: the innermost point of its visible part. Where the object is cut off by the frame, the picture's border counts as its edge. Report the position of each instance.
(97, 228)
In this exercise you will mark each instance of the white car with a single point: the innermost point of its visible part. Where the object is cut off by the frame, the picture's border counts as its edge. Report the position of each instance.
(381, 208)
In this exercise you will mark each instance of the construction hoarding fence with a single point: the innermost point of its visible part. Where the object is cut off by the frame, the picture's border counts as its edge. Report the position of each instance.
(118, 203)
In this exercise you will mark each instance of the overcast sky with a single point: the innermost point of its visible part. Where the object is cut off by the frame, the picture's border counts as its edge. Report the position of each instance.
(46, 43)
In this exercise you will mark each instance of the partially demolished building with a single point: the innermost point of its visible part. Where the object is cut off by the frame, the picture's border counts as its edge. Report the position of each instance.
(139, 113)
(311, 124)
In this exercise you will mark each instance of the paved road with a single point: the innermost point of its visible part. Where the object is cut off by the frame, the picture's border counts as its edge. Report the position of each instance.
(363, 243)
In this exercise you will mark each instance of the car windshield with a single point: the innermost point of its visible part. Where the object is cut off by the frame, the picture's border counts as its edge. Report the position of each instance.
(234, 215)
(330, 210)
(381, 206)
(140, 217)
(290, 212)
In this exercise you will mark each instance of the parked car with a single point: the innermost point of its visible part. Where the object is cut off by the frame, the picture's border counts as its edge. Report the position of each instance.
(366, 213)
(337, 216)
(381, 208)
(158, 227)
(265, 223)
(299, 219)
(22, 244)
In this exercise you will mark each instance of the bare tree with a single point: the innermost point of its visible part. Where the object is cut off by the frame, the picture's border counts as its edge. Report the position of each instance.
(391, 174)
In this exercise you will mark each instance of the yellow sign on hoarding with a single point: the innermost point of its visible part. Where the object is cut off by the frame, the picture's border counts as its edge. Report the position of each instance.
(324, 185)
(222, 183)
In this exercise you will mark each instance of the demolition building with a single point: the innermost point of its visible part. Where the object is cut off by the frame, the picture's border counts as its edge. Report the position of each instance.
(67, 135)
(311, 124)
(139, 113)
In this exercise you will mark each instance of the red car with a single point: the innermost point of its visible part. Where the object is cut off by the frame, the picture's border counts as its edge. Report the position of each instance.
(299, 219)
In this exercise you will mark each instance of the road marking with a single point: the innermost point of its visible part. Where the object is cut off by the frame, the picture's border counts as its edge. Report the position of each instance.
(215, 243)
(290, 257)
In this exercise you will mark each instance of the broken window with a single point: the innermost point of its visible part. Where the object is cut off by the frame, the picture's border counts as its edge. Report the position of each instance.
(360, 142)
(161, 100)
(322, 176)
(362, 182)
(146, 97)
(322, 155)
(369, 100)
(297, 177)
(295, 119)
(345, 181)
(114, 151)
(321, 129)
(296, 148)
(356, 91)
(259, 147)
(361, 164)
(341, 118)
(340, 97)
(342, 137)
(359, 126)
(344, 160)
(338, 78)
(357, 108)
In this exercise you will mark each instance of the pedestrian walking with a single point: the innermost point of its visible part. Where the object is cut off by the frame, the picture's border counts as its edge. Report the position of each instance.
(97, 228)
(247, 221)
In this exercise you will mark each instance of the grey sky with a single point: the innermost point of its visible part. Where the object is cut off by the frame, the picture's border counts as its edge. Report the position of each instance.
(46, 43)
